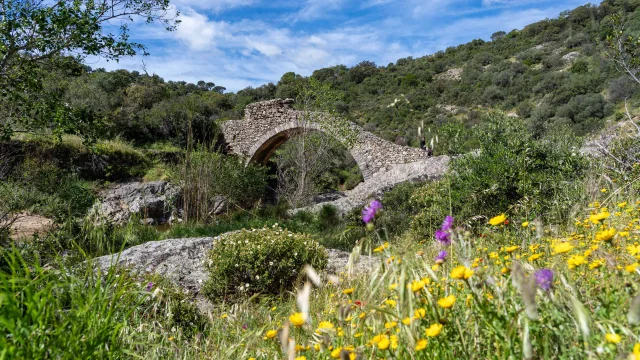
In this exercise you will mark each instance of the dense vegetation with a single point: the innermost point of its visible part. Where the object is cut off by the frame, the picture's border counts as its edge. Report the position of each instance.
(526, 249)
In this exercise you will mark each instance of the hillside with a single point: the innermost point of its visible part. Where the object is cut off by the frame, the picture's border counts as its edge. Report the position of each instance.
(554, 73)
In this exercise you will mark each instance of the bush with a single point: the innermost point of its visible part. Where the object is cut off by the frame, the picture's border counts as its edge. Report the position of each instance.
(264, 261)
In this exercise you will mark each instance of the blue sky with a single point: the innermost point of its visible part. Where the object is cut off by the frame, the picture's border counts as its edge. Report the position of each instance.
(240, 43)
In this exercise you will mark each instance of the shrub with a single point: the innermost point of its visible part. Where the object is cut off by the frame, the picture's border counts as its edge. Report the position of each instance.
(328, 216)
(265, 261)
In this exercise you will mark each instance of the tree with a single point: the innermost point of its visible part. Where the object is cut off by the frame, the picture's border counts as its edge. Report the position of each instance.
(37, 35)
(498, 35)
(624, 49)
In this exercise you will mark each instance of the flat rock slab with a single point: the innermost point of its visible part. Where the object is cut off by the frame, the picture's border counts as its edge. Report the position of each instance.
(27, 225)
(182, 260)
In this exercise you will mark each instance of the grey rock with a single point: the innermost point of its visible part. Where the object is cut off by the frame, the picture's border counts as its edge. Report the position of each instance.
(153, 201)
(570, 57)
(182, 261)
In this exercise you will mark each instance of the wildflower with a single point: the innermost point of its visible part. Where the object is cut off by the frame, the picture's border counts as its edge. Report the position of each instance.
(525, 224)
(596, 218)
(442, 256)
(301, 358)
(384, 343)
(434, 330)
(325, 325)
(420, 313)
(336, 353)
(393, 287)
(447, 302)
(562, 248)
(631, 268)
(493, 255)
(390, 324)
(390, 302)
(447, 223)
(497, 220)
(461, 272)
(612, 338)
(605, 235)
(575, 261)
(394, 341)
(535, 257)
(270, 334)
(596, 264)
(417, 285)
(369, 213)
(348, 291)
(421, 345)
(511, 249)
(544, 279)
(297, 319)
(407, 321)
(381, 247)
(443, 237)
(633, 250)
(622, 204)
(149, 286)
(603, 190)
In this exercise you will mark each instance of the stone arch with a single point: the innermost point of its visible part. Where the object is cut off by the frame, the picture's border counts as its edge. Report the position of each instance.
(268, 143)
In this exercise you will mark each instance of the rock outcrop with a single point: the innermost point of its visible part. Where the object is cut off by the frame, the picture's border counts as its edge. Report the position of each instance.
(182, 261)
(153, 201)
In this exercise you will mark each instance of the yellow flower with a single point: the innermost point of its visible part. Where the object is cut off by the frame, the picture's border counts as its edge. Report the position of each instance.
(417, 285)
(297, 319)
(511, 249)
(336, 353)
(561, 248)
(596, 218)
(461, 272)
(381, 247)
(633, 250)
(301, 358)
(603, 190)
(493, 255)
(525, 224)
(575, 261)
(420, 313)
(447, 302)
(612, 338)
(390, 302)
(636, 351)
(596, 264)
(622, 204)
(348, 291)
(394, 341)
(390, 324)
(535, 257)
(631, 268)
(504, 270)
(605, 235)
(421, 345)
(325, 325)
(433, 330)
(407, 321)
(435, 267)
(497, 220)
(270, 334)
(384, 343)
(393, 286)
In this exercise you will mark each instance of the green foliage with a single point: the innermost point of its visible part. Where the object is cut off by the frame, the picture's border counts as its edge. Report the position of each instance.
(264, 261)
(510, 170)
(210, 179)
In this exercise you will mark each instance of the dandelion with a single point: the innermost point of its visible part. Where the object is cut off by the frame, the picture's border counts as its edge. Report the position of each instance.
(297, 319)
(612, 338)
(384, 343)
(441, 257)
(597, 218)
(325, 325)
(390, 324)
(421, 344)
(631, 268)
(348, 291)
(270, 334)
(525, 224)
(511, 249)
(417, 285)
(434, 330)
(461, 272)
(447, 302)
(407, 321)
(575, 261)
(420, 313)
(497, 220)
(606, 235)
(544, 279)
(633, 250)
(562, 248)
(369, 213)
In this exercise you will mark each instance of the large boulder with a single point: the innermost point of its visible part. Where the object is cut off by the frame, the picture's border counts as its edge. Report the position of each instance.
(152, 201)
(182, 261)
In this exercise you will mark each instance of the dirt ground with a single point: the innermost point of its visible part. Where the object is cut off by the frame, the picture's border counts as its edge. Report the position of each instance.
(27, 225)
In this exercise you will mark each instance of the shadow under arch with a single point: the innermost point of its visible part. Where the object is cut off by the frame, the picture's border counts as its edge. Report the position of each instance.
(269, 142)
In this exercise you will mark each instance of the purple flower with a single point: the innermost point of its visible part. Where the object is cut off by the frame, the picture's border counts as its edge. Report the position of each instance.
(369, 212)
(442, 256)
(443, 237)
(149, 286)
(544, 279)
(446, 224)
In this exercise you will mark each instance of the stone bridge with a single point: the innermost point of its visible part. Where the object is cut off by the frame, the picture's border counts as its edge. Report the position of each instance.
(269, 124)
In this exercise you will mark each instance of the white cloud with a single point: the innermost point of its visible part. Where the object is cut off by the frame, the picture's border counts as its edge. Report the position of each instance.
(267, 49)
(315, 9)
(197, 31)
(216, 5)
